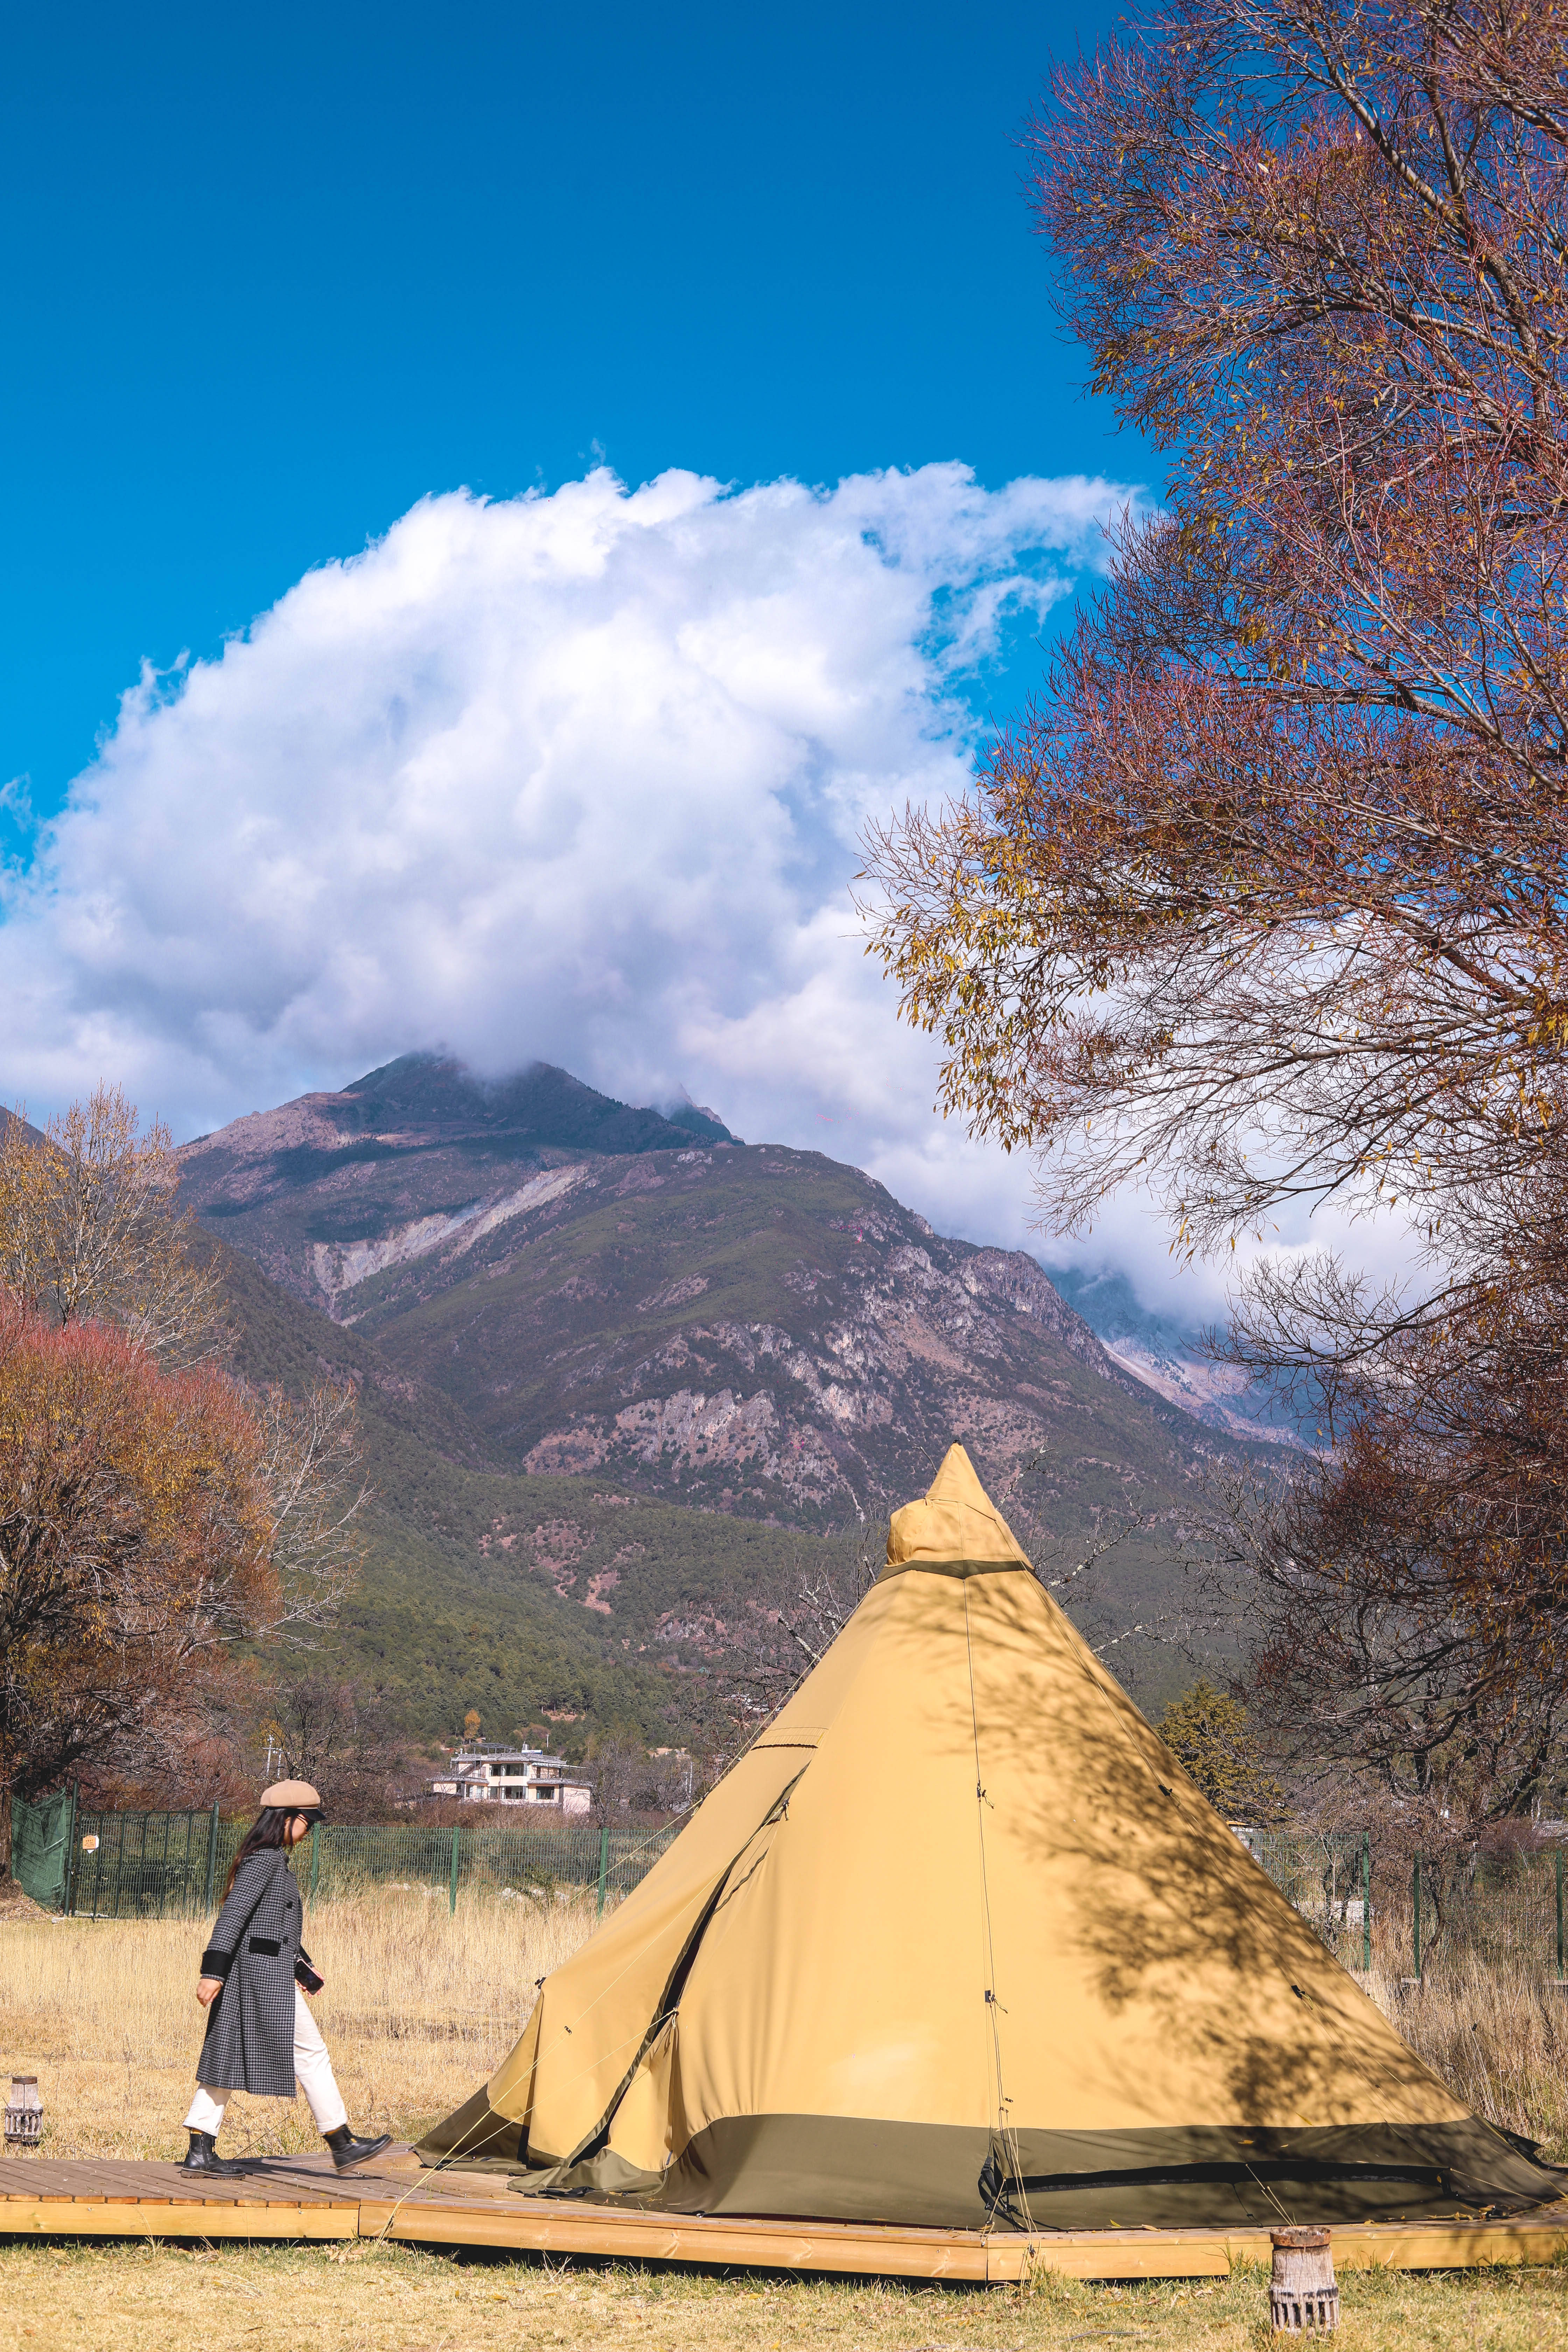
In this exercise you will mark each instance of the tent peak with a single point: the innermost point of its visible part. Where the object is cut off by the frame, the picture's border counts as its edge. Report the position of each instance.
(954, 1525)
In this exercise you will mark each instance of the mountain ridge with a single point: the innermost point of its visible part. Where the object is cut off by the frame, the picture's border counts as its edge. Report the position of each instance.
(1174, 1359)
(763, 1331)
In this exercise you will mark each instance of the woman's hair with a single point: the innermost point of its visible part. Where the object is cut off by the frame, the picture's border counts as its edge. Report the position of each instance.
(265, 1835)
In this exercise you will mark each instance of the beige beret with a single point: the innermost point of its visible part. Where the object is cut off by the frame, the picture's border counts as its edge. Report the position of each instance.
(298, 1795)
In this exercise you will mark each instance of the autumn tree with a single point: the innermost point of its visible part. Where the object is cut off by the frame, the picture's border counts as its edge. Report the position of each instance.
(91, 1232)
(155, 1512)
(1261, 904)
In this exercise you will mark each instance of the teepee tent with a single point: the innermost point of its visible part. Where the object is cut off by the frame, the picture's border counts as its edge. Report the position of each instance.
(957, 1942)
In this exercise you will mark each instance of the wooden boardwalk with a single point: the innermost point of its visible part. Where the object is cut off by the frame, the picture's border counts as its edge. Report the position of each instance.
(303, 2197)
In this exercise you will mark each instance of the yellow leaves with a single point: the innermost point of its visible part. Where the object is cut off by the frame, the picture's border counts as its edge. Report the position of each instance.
(89, 1227)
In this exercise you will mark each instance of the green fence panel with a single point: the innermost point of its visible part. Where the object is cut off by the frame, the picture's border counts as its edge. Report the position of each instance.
(41, 1848)
(173, 1864)
(1327, 1876)
(148, 1866)
(1497, 1911)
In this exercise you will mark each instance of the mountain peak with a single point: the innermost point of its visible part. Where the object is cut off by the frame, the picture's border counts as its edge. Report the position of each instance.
(537, 1105)
(428, 1104)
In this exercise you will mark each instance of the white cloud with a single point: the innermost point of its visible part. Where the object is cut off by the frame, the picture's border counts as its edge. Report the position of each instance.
(576, 777)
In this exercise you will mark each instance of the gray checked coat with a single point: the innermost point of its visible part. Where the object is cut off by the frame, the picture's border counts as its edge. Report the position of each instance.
(249, 2042)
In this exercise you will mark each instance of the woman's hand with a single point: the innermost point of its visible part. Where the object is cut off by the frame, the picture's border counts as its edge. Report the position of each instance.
(208, 1990)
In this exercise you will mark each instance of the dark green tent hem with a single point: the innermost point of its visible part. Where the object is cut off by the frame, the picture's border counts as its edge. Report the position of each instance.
(816, 2168)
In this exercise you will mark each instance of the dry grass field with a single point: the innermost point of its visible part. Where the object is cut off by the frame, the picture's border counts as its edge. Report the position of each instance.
(419, 2005)
(363, 2298)
(1499, 2036)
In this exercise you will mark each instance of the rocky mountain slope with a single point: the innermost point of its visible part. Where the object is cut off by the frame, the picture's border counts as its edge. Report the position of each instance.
(555, 1607)
(758, 1330)
(626, 1384)
(1173, 1358)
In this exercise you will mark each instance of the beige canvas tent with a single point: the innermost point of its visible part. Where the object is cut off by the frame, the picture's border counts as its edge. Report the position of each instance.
(957, 1942)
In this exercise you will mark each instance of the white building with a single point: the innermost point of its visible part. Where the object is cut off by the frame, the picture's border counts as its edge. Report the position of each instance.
(481, 1773)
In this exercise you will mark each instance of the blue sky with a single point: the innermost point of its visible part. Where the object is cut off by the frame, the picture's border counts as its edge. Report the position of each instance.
(579, 772)
(273, 275)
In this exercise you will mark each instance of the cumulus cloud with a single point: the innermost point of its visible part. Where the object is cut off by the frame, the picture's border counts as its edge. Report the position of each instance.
(575, 776)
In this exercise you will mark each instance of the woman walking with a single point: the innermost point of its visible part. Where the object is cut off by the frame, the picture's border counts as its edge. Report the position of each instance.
(260, 2035)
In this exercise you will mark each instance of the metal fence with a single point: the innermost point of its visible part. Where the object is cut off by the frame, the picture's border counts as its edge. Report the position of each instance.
(89, 1864)
(1427, 1915)
(1409, 1919)
(1327, 1876)
(40, 1848)
(1501, 1911)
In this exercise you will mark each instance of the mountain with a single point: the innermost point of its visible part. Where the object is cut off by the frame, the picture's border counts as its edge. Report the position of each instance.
(564, 1605)
(629, 1378)
(756, 1330)
(1174, 1358)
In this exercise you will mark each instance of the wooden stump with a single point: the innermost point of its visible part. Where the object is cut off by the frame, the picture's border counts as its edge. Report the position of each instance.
(24, 2114)
(1302, 2297)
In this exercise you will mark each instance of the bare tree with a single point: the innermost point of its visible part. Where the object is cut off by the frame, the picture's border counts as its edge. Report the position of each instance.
(89, 1230)
(1404, 1602)
(632, 1779)
(785, 1642)
(1262, 904)
(337, 1736)
(310, 1463)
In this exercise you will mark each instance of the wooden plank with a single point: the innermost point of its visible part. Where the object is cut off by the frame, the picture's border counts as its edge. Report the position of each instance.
(89, 2217)
(271, 2181)
(1200, 2253)
(531, 2225)
(299, 2199)
(1445, 2245)
(1110, 2255)
(528, 2224)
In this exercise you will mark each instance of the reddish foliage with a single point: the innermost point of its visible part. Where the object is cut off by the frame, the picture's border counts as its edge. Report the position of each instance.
(1264, 902)
(135, 1543)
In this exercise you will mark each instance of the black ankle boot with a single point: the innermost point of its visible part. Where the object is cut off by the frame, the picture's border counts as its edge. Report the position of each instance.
(347, 2150)
(203, 2157)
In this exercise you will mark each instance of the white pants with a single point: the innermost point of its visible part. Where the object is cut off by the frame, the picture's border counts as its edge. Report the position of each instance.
(312, 2072)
